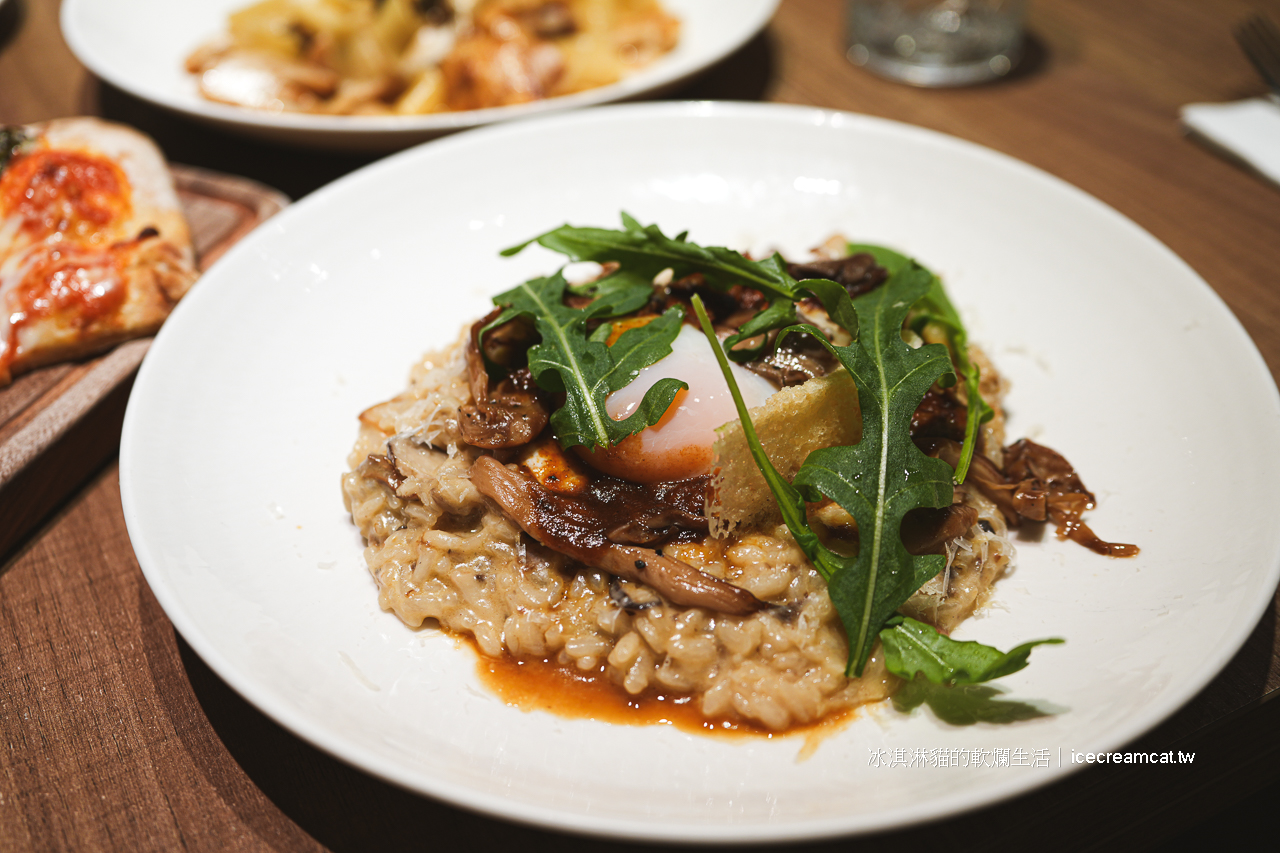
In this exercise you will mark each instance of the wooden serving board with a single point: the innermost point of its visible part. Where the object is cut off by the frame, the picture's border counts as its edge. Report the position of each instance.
(59, 423)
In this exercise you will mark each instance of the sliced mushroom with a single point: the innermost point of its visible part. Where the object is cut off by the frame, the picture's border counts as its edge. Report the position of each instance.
(656, 527)
(383, 469)
(568, 525)
(1038, 483)
(799, 359)
(1061, 492)
(677, 582)
(510, 414)
(926, 531)
(940, 414)
(859, 273)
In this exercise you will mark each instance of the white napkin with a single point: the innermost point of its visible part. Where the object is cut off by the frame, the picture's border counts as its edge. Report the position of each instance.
(1248, 129)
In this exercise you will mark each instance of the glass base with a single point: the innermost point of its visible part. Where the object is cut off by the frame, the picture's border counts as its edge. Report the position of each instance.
(934, 74)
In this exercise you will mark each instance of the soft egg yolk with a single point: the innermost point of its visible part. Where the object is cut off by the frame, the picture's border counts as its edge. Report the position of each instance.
(679, 445)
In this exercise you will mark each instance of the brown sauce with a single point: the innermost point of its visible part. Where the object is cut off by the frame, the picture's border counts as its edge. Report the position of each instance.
(534, 684)
(1077, 531)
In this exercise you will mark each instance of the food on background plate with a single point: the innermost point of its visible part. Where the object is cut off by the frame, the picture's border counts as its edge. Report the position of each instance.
(410, 57)
(770, 489)
(94, 247)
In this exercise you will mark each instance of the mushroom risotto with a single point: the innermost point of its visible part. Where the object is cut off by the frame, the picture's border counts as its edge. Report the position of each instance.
(659, 555)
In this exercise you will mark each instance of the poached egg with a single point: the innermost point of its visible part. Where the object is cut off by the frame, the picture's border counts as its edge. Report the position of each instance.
(679, 445)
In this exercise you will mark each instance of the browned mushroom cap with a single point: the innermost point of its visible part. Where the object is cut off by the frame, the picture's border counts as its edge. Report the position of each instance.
(508, 415)
(1025, 459)
(1038, 483)
(383, 469)
(983, 473)
(859, 273)
(677, 582)
(567, 525)
(1064, 494)
(926, 530)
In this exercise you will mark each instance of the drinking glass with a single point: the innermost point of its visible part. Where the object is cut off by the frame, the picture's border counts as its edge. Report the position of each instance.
(936, 42)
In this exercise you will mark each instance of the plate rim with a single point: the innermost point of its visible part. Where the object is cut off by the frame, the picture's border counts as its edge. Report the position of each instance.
(638, 829)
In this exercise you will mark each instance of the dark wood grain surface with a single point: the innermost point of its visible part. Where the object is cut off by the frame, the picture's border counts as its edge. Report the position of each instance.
(115, 736)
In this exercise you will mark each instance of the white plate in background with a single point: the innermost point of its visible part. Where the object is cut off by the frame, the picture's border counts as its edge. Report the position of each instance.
(141, 46)
(1120, 357)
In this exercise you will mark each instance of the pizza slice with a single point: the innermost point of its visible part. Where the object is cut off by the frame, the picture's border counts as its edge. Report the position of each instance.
(94, 248)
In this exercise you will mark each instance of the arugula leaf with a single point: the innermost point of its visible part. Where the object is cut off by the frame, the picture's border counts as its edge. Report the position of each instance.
(583, 367)
(835, 299)
(912, 647)
(966, 704)
(883, 476)
(643, 250)
(878, 480)
(779, 313)
(12, 139)
(619, 293)
(646, 251)
(935, 308)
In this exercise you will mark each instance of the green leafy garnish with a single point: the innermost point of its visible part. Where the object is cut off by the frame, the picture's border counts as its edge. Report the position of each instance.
(879, 479)
(935, 308)
(574, 360)
(967, 704)
(617, 294)
(644, 251)
(11, 141)
(884, 476)
(912, 647)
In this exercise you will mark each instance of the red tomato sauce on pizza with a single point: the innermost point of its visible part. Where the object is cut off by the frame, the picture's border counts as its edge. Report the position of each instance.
(75, 194)
(78, 287)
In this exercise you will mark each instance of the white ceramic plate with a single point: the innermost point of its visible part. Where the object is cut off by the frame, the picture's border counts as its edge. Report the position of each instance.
(140, 46)
(1120, 357)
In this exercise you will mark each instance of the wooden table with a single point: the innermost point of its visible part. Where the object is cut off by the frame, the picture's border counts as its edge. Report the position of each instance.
(116, 736)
